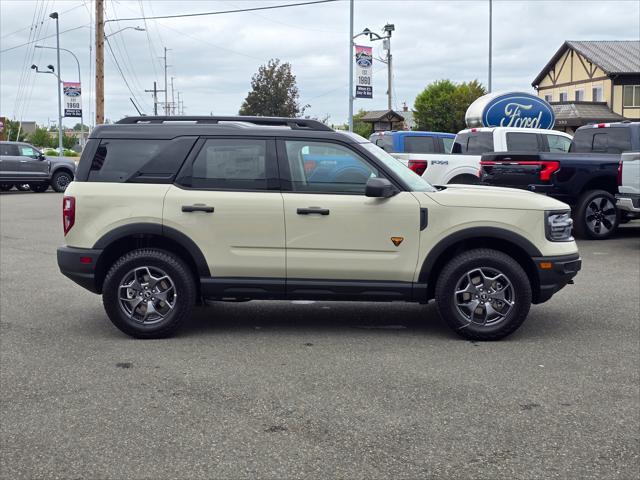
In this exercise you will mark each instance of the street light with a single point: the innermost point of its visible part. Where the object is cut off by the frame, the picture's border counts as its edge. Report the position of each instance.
(54, 16)
(51, 70)
(80, 82)
(138, 29)
(388, 28)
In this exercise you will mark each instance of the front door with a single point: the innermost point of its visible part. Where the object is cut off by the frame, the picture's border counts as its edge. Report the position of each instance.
(335, 232)
(227, 200)
(32, 165)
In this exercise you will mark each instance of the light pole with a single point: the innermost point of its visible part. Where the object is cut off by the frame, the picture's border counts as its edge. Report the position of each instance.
(490, 39)
(80, 82)
(138, 29)
(52, 71)
(54, 15)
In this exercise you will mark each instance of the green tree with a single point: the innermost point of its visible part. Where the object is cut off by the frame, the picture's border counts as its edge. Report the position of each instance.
(11, 128)
(273, 92)
(363, 129)
(442, 105)
(40, 138)
(68, 141)
(79, 126)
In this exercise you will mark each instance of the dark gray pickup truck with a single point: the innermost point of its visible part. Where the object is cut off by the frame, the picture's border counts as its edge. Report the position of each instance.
(25, 167)
(585, 178)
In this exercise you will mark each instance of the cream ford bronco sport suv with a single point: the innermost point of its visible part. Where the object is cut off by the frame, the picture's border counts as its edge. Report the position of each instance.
(167, 211)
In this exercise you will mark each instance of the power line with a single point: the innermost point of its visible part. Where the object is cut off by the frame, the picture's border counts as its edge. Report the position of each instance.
(31, 26)
(44, 38)
(221, 12)
(115, 60)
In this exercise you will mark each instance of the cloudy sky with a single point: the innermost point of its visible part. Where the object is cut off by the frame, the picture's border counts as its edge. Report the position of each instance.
(212, 58)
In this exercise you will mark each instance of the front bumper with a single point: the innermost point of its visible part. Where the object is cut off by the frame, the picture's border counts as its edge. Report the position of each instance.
(628, 202)
(554, 273)
(79, 264)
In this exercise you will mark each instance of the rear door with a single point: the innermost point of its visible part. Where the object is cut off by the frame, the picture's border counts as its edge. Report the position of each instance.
(9, 161)
(335, 232)
(227, 200)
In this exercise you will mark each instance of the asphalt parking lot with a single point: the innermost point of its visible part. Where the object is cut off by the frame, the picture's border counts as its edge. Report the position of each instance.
(313, 390)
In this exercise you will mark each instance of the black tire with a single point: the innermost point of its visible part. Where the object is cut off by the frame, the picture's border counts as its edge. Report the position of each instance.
(490, 261)
(39, 187)
(596, 216)
(23, 187)
(60, 181)
(5, 187)
(155, 260)
(464, 180)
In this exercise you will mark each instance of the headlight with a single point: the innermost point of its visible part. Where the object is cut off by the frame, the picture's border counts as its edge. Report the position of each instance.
(558, 226)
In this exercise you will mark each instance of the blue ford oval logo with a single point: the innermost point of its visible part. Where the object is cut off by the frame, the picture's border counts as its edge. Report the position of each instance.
(364, 60)
(520, 110)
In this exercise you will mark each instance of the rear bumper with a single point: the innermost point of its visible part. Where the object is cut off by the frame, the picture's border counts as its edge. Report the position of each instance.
(551, 280)
(629, 202)
(79, 264)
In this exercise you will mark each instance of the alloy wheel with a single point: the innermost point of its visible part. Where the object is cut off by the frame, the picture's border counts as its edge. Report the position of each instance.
(147, 295)
(600, 215)
(484, 296)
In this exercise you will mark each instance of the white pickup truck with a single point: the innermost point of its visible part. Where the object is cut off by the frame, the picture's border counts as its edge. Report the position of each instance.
(629, 184)
(463, 163)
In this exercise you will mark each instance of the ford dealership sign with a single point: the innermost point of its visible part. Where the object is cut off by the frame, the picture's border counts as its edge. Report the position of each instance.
(510, 109)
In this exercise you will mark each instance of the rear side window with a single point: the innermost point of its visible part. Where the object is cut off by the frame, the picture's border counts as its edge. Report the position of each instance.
(8, 149)
(602, 140)
(417, 144)
(129, 160)
(233, 164)
(522, 141)
(473, 143)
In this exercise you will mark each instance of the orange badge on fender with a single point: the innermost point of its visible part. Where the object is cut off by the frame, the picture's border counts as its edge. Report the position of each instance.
(397, 240)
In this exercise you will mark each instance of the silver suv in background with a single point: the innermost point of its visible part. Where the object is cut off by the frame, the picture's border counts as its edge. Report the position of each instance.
(23, 164)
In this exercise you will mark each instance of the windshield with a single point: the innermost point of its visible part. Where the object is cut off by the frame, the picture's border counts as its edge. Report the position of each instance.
(415, 182)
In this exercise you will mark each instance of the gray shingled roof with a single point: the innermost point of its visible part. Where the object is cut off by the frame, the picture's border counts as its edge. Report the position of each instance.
(575, 114)
(612, 56)
(377, 115)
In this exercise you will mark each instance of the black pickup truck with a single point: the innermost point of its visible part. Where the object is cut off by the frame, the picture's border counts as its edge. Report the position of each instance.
(585, 177)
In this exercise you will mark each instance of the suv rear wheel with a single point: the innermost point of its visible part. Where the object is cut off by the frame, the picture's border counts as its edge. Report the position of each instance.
(148, 293)
(483, 294)
(596, 216)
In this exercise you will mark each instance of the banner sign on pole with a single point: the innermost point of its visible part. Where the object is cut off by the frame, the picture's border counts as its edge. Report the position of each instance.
(72, 100)
(364, 64)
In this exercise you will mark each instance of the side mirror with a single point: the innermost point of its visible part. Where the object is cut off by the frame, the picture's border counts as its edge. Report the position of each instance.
(379, 188)
(41, 156)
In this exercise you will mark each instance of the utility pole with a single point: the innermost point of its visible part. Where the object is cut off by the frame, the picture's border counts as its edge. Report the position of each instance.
(490, 40)
(173, 99)
(99, 62)
(166, 100)
(179, 104)
(351, 60)
(387, 43)
(155, 98)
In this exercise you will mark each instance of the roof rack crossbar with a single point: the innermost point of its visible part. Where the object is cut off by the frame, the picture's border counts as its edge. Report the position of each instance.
(293, 123)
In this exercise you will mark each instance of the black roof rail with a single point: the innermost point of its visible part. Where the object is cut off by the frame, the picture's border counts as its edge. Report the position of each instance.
(292, 123)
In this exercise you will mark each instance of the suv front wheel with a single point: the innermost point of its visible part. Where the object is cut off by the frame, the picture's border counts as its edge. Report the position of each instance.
(483, 294)
(148, 293)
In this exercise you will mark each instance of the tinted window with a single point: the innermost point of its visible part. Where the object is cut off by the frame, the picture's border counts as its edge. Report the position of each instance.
(385, 142)
(138, 160)
(522, 141)
(558, 143)
(602, 140)
(8, 149)
(231, 164)
(473, 143)
(326, 167)
(448, 143)
(417, 144)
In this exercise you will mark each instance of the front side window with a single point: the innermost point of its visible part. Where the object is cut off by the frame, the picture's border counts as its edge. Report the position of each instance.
(385, 142)
(326, 167)
(28, 151)
(522, 141)
(558, 143)
(448, 144)
(231, 164)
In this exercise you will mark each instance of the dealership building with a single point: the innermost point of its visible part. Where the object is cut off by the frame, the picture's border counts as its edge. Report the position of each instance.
(592, 82)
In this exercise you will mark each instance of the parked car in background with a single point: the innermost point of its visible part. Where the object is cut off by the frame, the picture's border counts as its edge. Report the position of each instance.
(628, 197)
(412, 142)
(25, 167)
(169, 210)
(463, 165)
(586, 178)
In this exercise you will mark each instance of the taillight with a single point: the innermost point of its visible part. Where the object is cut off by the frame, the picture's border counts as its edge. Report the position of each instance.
(620, 173)
(548, 168)
(418, 166)
(68, 213)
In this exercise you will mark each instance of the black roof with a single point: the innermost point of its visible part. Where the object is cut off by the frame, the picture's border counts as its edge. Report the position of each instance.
(167, 127)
